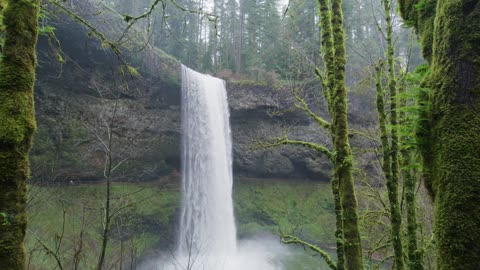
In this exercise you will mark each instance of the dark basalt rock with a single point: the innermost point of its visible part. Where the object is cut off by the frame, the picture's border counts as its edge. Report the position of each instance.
(74, 99)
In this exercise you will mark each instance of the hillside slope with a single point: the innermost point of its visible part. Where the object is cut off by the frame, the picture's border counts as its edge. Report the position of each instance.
(73, 100)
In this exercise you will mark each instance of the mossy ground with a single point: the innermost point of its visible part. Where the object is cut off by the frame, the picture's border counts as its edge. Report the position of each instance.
(280, 206)
(261, 207)
(143, 226)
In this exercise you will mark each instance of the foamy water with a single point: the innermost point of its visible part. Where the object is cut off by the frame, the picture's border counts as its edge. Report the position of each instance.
(254, 254)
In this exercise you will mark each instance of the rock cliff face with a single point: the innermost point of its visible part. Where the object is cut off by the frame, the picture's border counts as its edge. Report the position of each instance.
(71, 109)
(83, 101)
(258, 112)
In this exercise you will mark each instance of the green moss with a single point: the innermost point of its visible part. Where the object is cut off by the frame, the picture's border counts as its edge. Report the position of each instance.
(452, 160)
(410, 170)
(270, 206)
(260, 207)
(343, 154)
(148, 224)
(16, 112)
(2, 27)
(328, 84)
(391, 167)
(421, 15)
(455, 128)
(328, 54)
(415, 255)
(17, 77)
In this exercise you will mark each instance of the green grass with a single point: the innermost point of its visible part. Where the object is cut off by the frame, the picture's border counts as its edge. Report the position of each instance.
(279, 206)
(300, 259)
(149, 223)
(144, 225)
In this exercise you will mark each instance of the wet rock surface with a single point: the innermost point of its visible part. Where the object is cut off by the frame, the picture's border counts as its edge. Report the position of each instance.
(80, 102)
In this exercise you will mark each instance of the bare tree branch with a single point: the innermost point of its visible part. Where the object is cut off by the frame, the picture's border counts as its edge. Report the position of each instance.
(279, 141)
(304, 106)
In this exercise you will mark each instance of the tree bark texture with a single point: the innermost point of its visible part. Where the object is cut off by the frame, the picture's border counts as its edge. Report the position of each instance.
(17, 124)
(449, 30)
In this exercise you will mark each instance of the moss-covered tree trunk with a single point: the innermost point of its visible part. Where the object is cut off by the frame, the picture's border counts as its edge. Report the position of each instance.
(392, 176)
(414, 255)
(453, 136)
(387, 165)
(410, 175)
(343, 153)
(17, 125)
(380, 102)
(328, 88)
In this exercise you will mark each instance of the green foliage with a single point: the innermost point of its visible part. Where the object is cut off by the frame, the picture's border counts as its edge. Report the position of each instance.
(45, 30)
(4, 219)
(420, 5)
(148, 222)
(2, 26)
(420, 14)
(286, 207)
(450, 130)
(416, 127)
(260, 207)
(419, 74)
(127, 69)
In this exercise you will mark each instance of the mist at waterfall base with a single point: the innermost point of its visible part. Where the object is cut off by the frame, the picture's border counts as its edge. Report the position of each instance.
(207, 233)
(252, 254)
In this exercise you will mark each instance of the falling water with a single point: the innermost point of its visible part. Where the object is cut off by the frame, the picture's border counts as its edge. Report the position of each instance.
(207, 234)
(207, 227)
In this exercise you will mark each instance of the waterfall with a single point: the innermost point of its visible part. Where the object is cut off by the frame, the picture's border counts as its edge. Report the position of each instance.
(207, 226)
(207, 233)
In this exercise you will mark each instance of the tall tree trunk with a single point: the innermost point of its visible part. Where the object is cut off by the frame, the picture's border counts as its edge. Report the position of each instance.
(328, 53)
(410, 175)
(382, 123)
(328, 88)
(17, 125)
(106, 224)
(454, 124)
(349, 250)
(392, 181)
(415, 256)
(344, 157)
